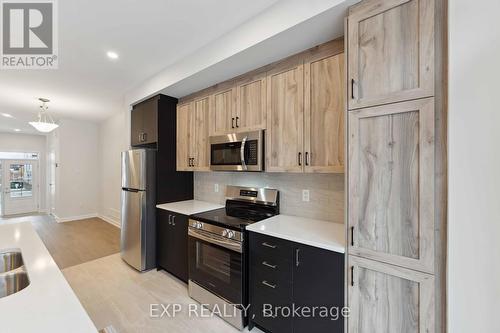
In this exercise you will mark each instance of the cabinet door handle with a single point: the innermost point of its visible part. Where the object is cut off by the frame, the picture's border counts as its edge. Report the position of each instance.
(144, 137)
(232, 122)
(140, 137)
(297, 262)
(352, 236)
(307, 158)
(300, 159)
(173, 220)
(267, 284)
(169, 219)
(352, 276)
(265, 263)
(237, 125)
(269, 245)
(352, 88)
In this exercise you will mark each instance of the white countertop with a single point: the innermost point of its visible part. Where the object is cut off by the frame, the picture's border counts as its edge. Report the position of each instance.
(322, 234)
(189, 207)
(48, 304)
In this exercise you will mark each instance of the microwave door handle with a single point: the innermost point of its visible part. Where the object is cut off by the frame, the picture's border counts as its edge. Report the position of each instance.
(242, 152)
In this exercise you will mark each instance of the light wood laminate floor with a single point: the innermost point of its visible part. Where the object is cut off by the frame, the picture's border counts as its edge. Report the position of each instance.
(115, 294)
(73, 243)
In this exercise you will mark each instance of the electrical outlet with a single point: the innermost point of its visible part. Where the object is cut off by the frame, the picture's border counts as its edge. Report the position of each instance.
(216, 188)
(305, 195)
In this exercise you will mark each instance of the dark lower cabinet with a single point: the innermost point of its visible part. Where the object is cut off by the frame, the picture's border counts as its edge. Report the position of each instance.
(294, 287)
(172, 243)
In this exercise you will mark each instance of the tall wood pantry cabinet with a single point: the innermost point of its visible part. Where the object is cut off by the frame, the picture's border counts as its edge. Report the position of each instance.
(393, 116)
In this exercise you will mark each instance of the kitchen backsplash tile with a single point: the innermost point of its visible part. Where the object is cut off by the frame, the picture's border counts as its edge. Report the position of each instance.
(326, 191)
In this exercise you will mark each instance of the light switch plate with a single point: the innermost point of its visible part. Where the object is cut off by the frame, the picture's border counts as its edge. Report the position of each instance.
(216, 188)
(305, 195)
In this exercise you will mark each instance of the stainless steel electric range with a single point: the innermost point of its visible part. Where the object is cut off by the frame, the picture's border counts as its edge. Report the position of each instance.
(218, 265)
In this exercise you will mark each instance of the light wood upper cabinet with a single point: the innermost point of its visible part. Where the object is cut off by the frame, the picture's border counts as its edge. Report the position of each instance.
(391, 51)
(285, 118)
(388, 299)
(324, 106)
(251, 104)
(299, 101)
(391, 184)
(201, 147)
(185, 136)
(192, 135)
(223, 112)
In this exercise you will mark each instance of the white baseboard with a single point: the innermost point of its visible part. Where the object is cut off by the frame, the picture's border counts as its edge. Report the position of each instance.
(110, 220)
(74, 218)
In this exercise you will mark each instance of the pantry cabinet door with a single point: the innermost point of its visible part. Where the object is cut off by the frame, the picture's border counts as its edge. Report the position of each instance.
(388, 299)
(391, 184)
(185, 133)
(324, 106)
(391, 51)
(251, 104)
(223, 112)
(201, 153)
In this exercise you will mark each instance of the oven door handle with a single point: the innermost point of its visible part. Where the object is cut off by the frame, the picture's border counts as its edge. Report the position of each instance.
(242, 152)
(231, 245)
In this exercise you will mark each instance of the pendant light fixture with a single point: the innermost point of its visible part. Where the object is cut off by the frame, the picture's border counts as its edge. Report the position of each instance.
(45, 123)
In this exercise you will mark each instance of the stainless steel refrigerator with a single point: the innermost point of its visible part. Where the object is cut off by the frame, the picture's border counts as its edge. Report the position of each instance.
(138, 220)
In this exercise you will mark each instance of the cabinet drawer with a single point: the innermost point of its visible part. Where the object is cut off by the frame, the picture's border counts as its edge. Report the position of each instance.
(262, 308)
(276, 270)
(271, 248)
(271, 287)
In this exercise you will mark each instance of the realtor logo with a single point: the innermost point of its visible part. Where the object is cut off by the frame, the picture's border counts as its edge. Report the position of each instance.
(29, 34)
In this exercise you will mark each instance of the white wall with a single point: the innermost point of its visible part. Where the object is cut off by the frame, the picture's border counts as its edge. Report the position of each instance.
(78, 172)
(113, 140)
(474, 167)
(17, 142)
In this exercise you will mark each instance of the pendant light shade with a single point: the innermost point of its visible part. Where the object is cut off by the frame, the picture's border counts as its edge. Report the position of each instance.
(44, 123)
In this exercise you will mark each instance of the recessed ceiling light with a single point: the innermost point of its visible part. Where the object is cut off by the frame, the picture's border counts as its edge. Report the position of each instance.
(17, 130)
(6, 115)
(112, 55)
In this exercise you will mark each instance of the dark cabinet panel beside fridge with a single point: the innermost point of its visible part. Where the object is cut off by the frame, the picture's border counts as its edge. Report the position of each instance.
(172, 243)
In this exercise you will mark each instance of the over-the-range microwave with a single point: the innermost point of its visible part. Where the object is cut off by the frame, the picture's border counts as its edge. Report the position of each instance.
(237, 152)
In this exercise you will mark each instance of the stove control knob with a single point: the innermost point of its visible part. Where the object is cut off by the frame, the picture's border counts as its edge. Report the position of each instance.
(224, 233)
(230, 234)
(199, 225)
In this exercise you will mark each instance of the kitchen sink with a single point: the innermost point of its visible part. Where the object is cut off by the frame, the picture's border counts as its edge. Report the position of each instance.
(11, 283)
(13, 275)
(10, 260)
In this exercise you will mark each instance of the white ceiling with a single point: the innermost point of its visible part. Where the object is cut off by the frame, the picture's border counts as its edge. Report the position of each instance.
(148, 35)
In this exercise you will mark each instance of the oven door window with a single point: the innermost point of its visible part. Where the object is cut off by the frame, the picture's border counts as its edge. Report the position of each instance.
(225, 153)
(217, 269)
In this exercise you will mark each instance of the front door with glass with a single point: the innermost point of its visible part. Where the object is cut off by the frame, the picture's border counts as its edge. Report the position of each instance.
(20, 186)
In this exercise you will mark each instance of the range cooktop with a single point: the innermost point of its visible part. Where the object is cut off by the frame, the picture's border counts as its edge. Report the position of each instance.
(230, 218)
